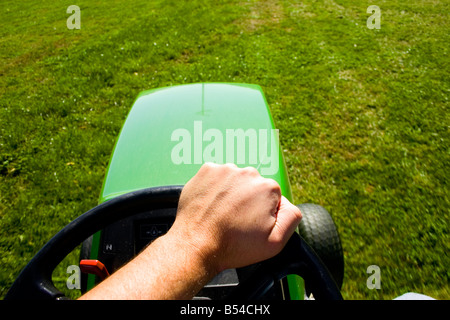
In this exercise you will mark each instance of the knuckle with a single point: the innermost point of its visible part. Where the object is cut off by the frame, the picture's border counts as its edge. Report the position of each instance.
(297, 212)
(208, 166)
(273, 185)
(251, 170)
(230, 165)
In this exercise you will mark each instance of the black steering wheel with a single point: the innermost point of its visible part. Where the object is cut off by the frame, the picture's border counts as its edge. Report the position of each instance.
(35, 280)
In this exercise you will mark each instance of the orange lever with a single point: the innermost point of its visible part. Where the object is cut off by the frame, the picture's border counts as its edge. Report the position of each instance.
(94, 267)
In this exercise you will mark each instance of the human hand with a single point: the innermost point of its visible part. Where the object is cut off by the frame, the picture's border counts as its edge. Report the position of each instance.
(233, 217)
(227, 218)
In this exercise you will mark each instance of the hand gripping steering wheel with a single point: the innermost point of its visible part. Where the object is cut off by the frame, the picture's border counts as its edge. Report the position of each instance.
(35, 280)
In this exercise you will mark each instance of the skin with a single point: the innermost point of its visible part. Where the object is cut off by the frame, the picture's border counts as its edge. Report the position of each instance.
(227, 218)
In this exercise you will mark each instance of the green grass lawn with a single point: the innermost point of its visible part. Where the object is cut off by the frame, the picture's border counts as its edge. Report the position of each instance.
(363, 115)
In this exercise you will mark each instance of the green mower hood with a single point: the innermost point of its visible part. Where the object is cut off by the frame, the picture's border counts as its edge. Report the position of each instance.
(170, 132)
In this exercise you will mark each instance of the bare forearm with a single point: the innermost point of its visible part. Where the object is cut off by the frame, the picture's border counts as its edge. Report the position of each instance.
(167, 269)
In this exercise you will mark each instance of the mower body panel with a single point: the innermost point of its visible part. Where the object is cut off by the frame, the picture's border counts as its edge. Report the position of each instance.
(170, 132)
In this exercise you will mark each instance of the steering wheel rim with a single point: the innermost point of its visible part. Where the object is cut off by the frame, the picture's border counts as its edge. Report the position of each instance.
(35, 280)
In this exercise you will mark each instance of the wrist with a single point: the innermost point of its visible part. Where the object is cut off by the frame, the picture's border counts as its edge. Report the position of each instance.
(199, 257)
(184, 269)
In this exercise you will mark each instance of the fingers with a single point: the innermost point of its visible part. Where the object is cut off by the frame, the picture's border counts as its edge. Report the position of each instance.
(287, 215)
(288, 218)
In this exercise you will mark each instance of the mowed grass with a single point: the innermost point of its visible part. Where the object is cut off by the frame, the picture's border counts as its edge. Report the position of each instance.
(363, 115)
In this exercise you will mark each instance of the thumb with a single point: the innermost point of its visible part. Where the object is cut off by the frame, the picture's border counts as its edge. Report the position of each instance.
(287, 219)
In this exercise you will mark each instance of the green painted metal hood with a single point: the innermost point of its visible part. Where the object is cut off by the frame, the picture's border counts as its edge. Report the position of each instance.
(170, 132)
